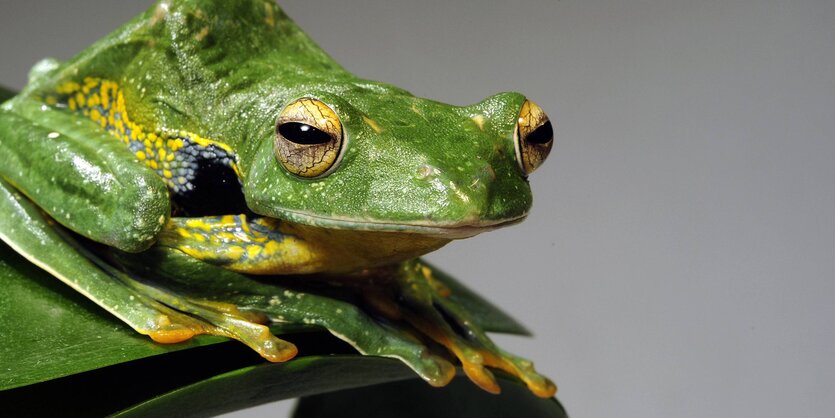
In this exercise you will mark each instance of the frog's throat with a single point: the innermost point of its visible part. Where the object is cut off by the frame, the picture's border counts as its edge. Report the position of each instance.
(443, 230)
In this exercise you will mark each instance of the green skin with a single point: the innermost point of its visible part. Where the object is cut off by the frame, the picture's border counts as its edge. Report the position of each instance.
(225, 70)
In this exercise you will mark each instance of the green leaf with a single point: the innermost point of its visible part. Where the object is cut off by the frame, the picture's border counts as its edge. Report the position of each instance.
(47, 330)
(271, 382)
(411, 398)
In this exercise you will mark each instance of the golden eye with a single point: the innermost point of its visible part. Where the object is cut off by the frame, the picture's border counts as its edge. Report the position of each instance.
(308, 138)
(533, 138)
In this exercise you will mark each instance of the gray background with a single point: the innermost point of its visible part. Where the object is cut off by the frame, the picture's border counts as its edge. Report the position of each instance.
(679, 259)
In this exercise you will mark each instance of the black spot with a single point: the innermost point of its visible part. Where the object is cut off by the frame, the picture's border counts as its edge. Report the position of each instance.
(541, 135)
(216, 191)
(301, 133)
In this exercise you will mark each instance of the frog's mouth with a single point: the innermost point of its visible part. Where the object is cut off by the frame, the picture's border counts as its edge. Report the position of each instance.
(451, 230)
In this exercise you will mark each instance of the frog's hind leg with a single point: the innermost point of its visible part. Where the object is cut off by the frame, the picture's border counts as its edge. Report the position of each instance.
(426, 307)
(203, 285)
(161, 315)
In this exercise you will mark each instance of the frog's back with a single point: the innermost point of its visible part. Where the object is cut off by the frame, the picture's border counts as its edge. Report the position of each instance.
(172, 82)
(190, 53)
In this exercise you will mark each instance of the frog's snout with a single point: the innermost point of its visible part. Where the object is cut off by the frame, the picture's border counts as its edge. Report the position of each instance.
(472, 193)
(441, 181)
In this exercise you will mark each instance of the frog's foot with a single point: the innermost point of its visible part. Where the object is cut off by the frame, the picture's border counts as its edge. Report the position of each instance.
(182, 317)
(428, 309)
(354, 326)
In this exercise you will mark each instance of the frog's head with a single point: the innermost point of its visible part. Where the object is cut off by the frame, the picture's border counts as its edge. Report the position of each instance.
(372, 157)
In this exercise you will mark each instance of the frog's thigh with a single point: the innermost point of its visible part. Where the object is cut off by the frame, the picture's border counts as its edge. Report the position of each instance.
(81, 176)
(255, 246)
(28, 232)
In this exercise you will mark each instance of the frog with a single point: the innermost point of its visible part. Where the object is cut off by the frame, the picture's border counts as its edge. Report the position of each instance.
(193, 170)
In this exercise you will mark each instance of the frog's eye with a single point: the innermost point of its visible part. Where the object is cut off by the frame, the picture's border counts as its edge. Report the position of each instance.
(533, 137)
(308, 138)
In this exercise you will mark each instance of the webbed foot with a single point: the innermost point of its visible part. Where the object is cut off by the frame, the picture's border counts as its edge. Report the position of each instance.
(424, 303)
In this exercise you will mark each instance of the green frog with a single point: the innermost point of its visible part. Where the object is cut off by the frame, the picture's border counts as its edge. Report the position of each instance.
(186, 170)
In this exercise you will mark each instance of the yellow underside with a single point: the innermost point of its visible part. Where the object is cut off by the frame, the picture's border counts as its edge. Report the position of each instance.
(270, 246)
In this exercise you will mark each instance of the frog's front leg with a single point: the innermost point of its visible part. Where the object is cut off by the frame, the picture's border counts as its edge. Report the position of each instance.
(83, 177)
(425, 304)
(164, 317)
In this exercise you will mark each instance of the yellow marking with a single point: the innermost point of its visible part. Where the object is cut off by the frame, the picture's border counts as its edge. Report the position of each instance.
(202, 34)
(184, 232)
(198, 224)
(93, 101)
(372, 123)
(272, 247)
(235, 252)
(252, 251)
(227, 219)
(159, 148)
(269, 17)
(90, 82)
(226, 236)
(120, 102)
(105, 96)
(68, 87)
(479, 121)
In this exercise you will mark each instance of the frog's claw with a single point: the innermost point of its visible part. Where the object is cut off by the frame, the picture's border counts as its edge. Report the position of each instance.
(430, 311)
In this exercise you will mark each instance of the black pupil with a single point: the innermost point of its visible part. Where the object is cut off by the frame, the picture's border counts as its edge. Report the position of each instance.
(541, 135)
(301, 133)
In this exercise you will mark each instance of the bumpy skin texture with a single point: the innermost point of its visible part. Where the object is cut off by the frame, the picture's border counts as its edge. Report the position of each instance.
(140, 139)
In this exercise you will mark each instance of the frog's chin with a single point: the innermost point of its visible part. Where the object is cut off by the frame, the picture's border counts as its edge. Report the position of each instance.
(446, 230)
